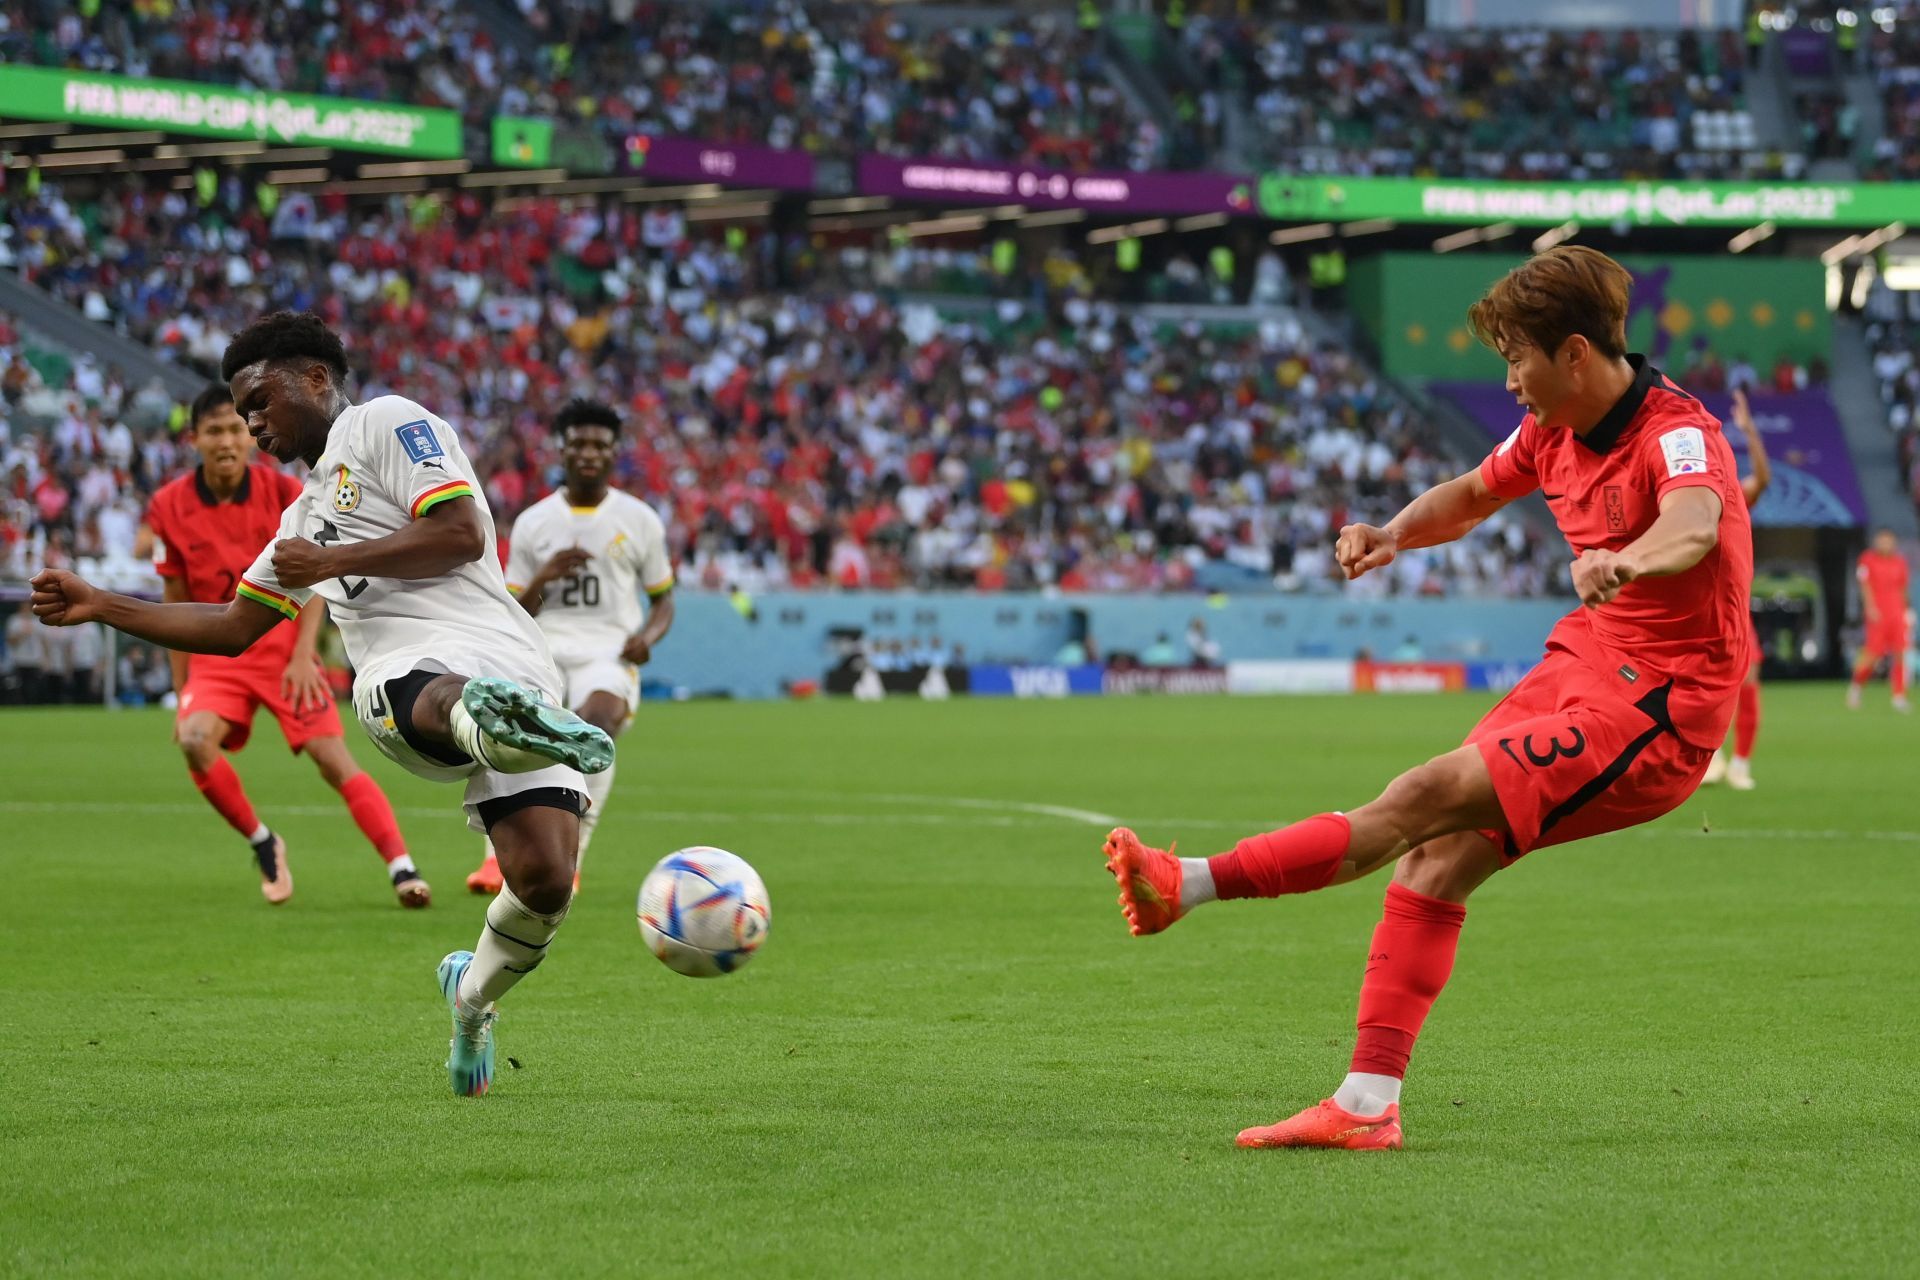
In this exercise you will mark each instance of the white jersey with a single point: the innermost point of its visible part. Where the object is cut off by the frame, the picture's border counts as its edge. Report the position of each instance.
(386, 463)
(591, 614)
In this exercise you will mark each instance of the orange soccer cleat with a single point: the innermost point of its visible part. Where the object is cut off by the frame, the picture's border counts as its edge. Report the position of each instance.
(1149, 882)
(1327, 1124)
(487, 878)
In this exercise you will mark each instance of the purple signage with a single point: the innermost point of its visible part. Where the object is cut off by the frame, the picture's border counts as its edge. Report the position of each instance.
(689, 160)
(962, 182)
(1814, 482)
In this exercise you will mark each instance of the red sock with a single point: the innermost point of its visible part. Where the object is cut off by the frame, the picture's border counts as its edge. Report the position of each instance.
(221, 786)
(1295, 859)
(1746, 720)
(1899, 674)
(368, 805)
(1408, 964)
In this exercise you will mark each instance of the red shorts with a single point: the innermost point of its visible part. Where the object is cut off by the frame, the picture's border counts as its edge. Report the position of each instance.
(1571, 757)
(1887, 638)
(235, 690)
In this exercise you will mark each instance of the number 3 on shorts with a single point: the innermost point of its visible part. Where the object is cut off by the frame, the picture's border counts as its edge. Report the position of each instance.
(1555, 749)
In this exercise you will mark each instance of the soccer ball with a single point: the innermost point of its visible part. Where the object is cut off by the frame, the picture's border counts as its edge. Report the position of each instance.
(703, 911)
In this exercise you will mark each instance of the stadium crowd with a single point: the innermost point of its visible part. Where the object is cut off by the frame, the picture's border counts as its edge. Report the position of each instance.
(1894, 59)
(805, 437)
(835, 77)
(1893, 335)
(1518, 104)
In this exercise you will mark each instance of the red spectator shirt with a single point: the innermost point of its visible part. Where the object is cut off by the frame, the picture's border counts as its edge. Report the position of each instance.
(210, 543)
(1884, 578)
(1604, 488)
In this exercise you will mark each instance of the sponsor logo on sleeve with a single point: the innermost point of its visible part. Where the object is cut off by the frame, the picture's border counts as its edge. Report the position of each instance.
(418, 440)
(1686, 451)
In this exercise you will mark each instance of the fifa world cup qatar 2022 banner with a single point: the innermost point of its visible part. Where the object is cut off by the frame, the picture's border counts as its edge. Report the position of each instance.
(1301, 198)
(1814, 483)
(179, 106)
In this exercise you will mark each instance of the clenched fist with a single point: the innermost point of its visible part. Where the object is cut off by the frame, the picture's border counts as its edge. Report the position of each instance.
(299, 563)
(1598, 576)
(62, 599)
(1362, 547)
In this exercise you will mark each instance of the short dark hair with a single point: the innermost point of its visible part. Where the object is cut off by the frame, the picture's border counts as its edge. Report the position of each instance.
(215, 395)
(582, 412)
(285, 335)
(1553, 295)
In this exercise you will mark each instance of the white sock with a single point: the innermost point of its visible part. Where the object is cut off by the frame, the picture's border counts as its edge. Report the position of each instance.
(1196, 883)
(1365, 1094)
(513, 943)
(259, 833)
(491, 752)
(1741, 762)
(401, 866)
(599, 787)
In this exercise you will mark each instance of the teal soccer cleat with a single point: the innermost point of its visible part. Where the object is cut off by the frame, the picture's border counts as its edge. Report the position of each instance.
(470, 1053)
(518, 733)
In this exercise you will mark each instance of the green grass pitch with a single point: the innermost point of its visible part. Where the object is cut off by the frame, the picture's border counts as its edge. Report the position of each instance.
(1681, 1050)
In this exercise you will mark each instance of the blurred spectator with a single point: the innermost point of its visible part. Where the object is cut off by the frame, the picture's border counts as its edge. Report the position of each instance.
(1506, 103)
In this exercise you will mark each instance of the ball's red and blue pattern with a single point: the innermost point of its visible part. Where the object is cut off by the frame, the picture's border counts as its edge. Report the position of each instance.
(703, 911)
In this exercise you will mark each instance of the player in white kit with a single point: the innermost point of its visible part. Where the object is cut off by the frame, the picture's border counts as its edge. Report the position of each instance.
(452, 679)
(579, 560)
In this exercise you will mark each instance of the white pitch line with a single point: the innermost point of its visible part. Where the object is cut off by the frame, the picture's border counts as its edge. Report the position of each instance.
(1022, 811)
(626, 813)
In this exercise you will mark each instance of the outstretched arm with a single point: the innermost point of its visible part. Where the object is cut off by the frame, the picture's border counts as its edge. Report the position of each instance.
(1441, 514)
(1755, 482)
(62, 599)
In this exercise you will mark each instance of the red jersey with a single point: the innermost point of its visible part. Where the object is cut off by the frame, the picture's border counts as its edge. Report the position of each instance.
(209, 543)
(1883, 578)
(1605, 488)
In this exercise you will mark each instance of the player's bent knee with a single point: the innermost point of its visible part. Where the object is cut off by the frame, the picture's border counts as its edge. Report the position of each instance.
(200, 747)
(1448, 868)
(547, 890)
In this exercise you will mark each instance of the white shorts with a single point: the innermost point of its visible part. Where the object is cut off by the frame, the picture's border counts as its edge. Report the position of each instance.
(600, 675)
(483, 784)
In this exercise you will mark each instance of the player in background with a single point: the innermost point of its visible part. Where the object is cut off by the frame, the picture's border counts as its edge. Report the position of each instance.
(1612, 729)
(1882, 571)
(452, 681)
(579, 559)
(208, 527)
(1746, 715)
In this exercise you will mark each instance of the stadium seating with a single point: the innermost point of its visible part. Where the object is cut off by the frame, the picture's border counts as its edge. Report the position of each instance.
(1894, 58)
(821, 437)
(1489, 104)
(830, 77)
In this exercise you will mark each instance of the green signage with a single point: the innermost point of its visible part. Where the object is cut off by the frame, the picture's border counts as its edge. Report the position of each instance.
(177, 106)
(1641, 204)
(522, 142)
(1415, 307)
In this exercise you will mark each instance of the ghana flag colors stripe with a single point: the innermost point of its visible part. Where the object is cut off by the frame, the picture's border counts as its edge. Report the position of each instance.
(434, 497)
(277, 601)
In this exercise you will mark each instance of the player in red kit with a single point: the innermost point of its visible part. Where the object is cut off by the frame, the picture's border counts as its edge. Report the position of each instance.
(209, 527)
(1883, 599)
(1746, 716)
(1614, 727)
